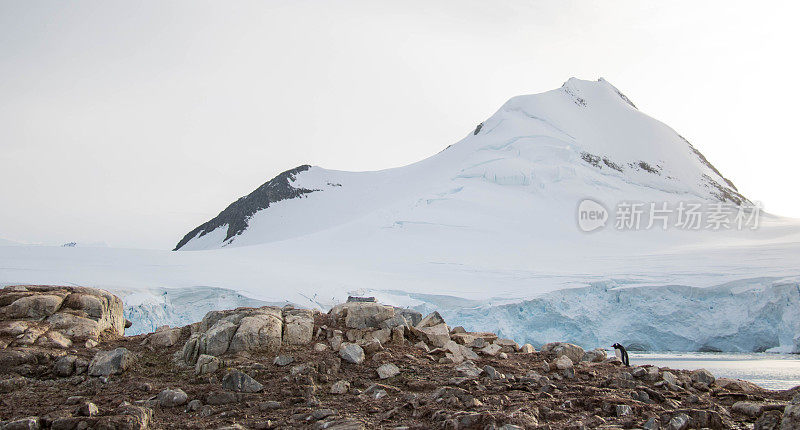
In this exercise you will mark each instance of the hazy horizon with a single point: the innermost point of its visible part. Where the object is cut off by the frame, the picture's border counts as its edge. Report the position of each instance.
(131, 124)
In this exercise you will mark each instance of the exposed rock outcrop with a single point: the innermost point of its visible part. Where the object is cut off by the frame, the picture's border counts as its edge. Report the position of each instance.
(58, 316)
(363, 365)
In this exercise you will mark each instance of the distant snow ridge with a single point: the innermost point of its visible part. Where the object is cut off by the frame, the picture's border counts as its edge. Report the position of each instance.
(585, 138)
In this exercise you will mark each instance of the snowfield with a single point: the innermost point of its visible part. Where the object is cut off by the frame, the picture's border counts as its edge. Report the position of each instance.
(486, 232)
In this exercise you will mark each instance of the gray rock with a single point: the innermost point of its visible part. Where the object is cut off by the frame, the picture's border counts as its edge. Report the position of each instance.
(370, 346)
(702, 376)
(436, 335)
(623, 410)
(261, 331)
(111, 362)
(791, 417)
(754, 409)
(491, 372)
(283, 360)
(431, 320)
(206, 364)
(319, 414)
(574, 352)
(679, 422)
(236, 380)
(340, 387)
(362, 315)
(506, 345)
(217, 339)
(170, 398)
(770, 420)
(491, 350)
(65, 366)
(563, 362)
(269, 405)
(388, 370)
(340, 424)
(221, 398)
(351, 353)
(597, 355)
(87, 409)
(469, 369)
(638, 372)
(298, 326)
(669, 378)
(30, 423)
(194, 406)
(527, 349)
(412, 317)
(164, 337)
(652, 424)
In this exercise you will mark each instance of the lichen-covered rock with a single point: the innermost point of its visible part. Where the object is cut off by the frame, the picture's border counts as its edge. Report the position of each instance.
(170, 398)
(702, 376)
(362, 315)
(206, 364)
(111, 362)
(436, 335)
(58, 316)
(597, 355)
(791, 417)
(259, 332)
(54, 339)
(164, 337)
(432, 319)
(236, 380)
(351, 353)
(243, 329)
(388, 370)
(298, 326)
(574, 352)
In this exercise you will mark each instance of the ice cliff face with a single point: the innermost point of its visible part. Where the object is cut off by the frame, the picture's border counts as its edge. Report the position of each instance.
(176, 307)
(667, 318)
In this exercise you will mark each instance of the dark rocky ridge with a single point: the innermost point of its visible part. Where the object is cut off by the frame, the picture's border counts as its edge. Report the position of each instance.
(238, 213)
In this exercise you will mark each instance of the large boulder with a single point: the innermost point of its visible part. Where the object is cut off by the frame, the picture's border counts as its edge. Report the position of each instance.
(574, 352)
(352, 353)
(242, 329)
(298, 326)
(236, 380)
(261, 331)
(437, 335)
(58, 316)
(111, 362)
(164, 337)
(363, 315)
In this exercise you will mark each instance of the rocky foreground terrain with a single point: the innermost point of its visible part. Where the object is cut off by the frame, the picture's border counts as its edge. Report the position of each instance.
(65, 364)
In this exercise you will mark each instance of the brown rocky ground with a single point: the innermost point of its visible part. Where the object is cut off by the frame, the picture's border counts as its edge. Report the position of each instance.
(473, 380)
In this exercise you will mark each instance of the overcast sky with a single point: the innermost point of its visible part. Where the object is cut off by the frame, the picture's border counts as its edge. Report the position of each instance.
(133, 122)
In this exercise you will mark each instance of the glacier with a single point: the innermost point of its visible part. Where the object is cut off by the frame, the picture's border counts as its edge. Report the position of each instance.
(486, 232)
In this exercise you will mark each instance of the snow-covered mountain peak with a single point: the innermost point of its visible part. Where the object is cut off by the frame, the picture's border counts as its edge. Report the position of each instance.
(583, 139)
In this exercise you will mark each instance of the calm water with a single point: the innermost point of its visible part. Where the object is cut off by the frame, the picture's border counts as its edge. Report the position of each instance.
(771, 371)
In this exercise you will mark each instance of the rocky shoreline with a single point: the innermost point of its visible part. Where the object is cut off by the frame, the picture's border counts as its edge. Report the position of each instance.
(66, 364)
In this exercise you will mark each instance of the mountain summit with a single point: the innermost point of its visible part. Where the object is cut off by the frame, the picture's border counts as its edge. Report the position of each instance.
(585, 139)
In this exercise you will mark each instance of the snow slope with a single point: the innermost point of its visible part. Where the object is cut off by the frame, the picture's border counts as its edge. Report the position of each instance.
(583, 139)
(486, 232)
